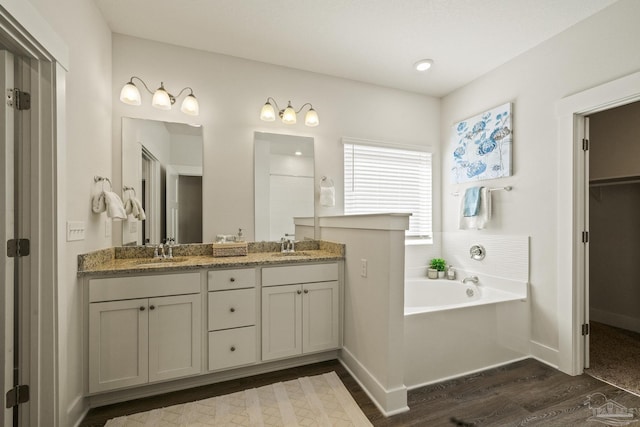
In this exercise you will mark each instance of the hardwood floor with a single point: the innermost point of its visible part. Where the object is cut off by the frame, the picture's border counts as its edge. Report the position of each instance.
(525, 393)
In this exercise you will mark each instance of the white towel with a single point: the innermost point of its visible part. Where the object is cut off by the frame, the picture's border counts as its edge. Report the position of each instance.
(484, 213)
(133, 207)
(327, 196)
(115, 207)
(98, 204)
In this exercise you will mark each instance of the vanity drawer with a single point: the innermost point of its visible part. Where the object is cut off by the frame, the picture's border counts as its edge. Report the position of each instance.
(232, 309)
(294, 274)
(232, 347)
(232, 279)
(131, 287)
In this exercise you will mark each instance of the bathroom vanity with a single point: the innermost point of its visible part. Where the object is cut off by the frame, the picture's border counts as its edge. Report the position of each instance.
(155, 326)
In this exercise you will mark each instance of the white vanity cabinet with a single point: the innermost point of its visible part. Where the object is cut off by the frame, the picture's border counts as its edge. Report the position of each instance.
(143, 329)
(300, 310)
(232, 313)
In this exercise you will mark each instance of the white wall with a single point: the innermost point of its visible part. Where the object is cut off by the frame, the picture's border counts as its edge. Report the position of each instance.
(88, 153)
(592, 52)
(231, 92)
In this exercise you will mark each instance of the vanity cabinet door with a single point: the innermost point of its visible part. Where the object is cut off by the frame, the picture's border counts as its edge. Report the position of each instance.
(118, 351)
(281, 321)
(174, 336)
(320, 317)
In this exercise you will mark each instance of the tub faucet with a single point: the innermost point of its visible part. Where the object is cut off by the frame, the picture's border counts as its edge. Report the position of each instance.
(472, 279)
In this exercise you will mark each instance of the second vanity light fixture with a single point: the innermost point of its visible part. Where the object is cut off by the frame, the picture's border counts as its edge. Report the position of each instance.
(288, 115)
(162, 99)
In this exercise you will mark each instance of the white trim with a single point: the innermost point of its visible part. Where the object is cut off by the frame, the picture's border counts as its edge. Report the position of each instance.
(40, 34)
(544, 353)
(389, 401)
(615, 319)
(570, 210)
(384, 221)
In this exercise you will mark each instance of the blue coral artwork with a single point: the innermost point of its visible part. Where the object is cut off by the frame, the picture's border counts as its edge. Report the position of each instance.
(481, 146)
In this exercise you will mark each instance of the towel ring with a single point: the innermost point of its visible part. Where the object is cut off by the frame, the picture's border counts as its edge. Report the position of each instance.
(127, 188)
(102, 179)
(326, 182)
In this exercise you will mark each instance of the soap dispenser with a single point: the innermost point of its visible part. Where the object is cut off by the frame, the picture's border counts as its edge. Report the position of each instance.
(239, 237)
(451, 273)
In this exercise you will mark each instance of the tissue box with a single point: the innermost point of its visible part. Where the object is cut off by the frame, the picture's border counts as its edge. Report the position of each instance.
(230, 249)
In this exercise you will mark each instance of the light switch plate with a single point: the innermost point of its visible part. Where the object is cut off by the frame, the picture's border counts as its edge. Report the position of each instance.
(75, 230)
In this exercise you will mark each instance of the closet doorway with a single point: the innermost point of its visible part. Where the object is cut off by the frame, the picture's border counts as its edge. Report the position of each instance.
(614, 247)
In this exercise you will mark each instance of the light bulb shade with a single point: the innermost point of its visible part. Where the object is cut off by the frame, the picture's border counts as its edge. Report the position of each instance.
(161, 99)
(289, 115)
(130, 94)
(311, 118)
(190, 105)
(268, 114)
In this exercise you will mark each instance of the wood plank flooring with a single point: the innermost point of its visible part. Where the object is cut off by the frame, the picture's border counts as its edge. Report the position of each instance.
(525, 393)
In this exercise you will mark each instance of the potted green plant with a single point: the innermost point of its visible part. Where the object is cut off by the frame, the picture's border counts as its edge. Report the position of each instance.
(437, 265)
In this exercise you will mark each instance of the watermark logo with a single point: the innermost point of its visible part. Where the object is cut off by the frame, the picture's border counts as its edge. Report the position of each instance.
(609, 412)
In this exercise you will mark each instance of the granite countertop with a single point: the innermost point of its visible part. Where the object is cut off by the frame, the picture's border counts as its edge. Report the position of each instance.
(135, 260)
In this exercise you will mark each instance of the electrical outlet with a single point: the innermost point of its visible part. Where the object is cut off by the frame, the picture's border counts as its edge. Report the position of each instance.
(133, 227)
(75, 230)
(363, 268)
(107, 228)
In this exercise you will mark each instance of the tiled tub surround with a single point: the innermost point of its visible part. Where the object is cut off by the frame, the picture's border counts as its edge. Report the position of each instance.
(139, 259)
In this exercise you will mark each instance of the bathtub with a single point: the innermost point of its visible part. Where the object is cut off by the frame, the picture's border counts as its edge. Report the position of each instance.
(429, 295)
(453, 329)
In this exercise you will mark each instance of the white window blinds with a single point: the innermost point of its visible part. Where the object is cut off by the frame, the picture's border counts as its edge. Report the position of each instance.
(379, 179)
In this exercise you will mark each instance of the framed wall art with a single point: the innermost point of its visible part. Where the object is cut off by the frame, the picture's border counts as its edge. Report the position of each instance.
(481, 146)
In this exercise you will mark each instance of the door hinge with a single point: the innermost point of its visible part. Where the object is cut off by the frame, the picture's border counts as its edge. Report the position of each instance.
(18, 99)
(585, 329)
(585, 144)
(17, 248)
(585, 237)
(17, 395)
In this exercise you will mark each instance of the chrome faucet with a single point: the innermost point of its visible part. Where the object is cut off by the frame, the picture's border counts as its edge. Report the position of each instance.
(170, 243)
(472, 279)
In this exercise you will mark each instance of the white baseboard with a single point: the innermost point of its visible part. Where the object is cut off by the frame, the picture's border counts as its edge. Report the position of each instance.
(389, 401)
(614, 319)
(545, 354)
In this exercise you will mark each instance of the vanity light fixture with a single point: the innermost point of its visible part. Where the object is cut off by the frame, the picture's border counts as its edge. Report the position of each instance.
(423, 64)
(288, 115)
(162, 99)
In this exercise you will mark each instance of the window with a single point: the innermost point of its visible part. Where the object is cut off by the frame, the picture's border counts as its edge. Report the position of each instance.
(384, 179)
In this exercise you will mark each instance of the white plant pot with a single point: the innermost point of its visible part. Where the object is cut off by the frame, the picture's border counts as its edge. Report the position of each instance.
(432, 273)
(440, 274)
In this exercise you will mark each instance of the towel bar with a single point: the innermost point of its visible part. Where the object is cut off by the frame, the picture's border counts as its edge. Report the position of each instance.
(97, 179)
(505, 188)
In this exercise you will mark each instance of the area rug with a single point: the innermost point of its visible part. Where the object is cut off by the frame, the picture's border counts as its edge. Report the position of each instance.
(614, 356)
(320, 400)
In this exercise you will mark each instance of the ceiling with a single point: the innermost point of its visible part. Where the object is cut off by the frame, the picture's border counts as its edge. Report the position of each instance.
(373, 41)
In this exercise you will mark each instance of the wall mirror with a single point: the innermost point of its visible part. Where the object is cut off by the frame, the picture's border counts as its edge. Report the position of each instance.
(162, 166)
(284, 184)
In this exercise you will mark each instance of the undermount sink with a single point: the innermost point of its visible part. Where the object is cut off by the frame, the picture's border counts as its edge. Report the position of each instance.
(290, 254)
(160, 261)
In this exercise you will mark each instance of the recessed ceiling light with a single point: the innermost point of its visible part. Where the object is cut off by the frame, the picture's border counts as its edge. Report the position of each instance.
(424, 64)
(298, 153)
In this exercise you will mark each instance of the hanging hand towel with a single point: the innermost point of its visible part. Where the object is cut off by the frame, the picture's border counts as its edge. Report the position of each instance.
(133, 207)
(471, 204)
(98, 204)
(115, 208)
(484, 212)
(327, 196)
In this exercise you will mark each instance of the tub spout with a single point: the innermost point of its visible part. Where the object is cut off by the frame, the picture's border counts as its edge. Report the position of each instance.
(472, 279)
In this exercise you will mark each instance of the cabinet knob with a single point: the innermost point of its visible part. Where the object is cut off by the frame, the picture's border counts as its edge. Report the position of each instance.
(306, 291)
(232, 348)
(233, 279)
(141, 308)
(152, 307)
(299, 291)
(233, 310)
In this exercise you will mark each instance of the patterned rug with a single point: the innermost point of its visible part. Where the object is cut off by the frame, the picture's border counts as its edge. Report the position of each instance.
(320, 400)
(615, 356)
